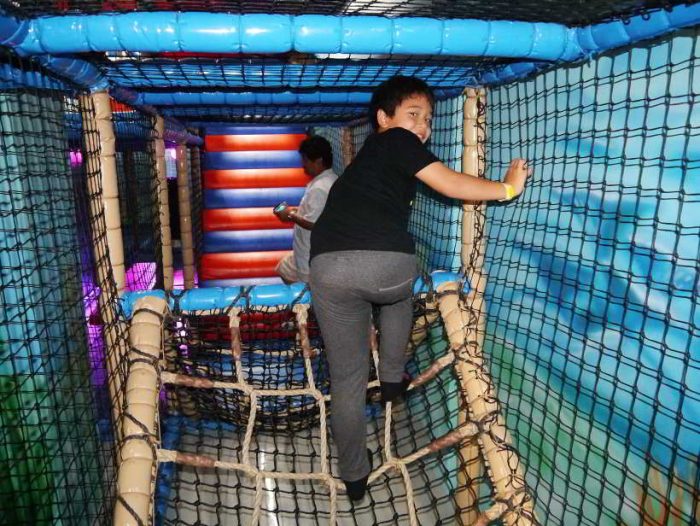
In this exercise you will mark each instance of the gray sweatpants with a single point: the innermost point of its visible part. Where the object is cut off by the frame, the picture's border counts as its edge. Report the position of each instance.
(344, 286)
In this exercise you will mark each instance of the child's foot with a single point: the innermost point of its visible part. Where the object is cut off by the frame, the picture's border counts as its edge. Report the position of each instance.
(356, 489)
(393, 391)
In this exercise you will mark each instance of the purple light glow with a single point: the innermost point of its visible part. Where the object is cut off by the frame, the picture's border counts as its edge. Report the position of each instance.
(76, 158)
(91, 292)
(137, 272)
(179, 279)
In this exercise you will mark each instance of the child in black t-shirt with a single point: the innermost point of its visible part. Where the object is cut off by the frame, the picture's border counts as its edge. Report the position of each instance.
(363, 255)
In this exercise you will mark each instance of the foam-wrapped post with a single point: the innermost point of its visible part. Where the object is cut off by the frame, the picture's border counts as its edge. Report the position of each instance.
(473, 214)
(185, 208)
(163, 203)
(105, 219)
(504, 465)
(472, 259)
(137, 451)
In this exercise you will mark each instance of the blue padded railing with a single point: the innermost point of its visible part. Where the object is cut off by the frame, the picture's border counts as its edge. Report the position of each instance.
(260, 295)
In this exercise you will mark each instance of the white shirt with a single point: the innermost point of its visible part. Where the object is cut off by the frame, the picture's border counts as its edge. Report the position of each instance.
(310, 208)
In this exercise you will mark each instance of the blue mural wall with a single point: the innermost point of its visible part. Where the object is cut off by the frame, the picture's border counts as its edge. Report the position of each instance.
(594, 319)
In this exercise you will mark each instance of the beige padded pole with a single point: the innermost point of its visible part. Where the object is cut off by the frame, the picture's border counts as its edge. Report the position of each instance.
(185, 207)
(105, 178)
(473, 214)
(506, 472)
(103, 191)
(472, 164)
(422, 324)
(503, 463)
(137, 467)
(163, 204)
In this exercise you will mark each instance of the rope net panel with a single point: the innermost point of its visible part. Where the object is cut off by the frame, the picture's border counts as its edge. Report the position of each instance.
(544, 10)
(138, 196)
(359, 133)
(196, 197)
(56, 455)
(435, 220)
(334, 135)
(593, 320)
(246, 438)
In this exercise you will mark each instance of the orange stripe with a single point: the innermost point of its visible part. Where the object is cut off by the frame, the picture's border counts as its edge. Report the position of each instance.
(119, 106)
(255, 178)
(240, 265)
(241, 219)
(239, 143)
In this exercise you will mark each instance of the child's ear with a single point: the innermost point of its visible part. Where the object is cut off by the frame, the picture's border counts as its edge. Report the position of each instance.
(381, 118)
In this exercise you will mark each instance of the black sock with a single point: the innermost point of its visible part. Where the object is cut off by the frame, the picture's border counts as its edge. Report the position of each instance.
(356, 489)
(392, 391)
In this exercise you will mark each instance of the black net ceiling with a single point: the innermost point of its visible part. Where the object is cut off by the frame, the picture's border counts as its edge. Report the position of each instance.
(297, 73)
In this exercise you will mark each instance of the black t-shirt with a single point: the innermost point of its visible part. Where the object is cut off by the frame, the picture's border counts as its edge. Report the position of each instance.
(369, 206)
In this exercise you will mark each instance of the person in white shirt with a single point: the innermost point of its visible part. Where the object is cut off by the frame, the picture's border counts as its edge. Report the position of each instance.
(317, 160)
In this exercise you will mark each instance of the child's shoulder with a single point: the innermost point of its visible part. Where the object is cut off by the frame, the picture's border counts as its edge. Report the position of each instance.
(396, 134)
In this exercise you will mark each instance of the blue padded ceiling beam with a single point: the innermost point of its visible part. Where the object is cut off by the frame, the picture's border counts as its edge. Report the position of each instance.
(262, 33)
(252, 98)
(79, 71)
(175, 132)
(267, 33)
(262, 98)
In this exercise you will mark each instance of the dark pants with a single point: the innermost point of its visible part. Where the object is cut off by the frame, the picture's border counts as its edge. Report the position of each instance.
(344, 286)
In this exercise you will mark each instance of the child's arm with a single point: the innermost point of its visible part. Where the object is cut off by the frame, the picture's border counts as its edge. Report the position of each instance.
(291, 214)
(469, 188)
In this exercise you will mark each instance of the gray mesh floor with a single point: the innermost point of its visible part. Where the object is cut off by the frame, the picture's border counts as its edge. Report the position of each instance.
(216, 496)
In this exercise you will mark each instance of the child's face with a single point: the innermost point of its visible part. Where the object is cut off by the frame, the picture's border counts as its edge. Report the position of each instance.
(312, 167)
(414, 114)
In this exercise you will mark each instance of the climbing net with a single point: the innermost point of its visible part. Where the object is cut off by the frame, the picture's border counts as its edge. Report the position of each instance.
(243, 428)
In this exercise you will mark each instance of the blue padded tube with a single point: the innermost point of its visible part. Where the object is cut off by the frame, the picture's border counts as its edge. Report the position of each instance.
(252, 197)
(247, 240)
(509, 72)
(243, 160)
(12, 77)
(270, 33)
(251, 98)
(79, 71)
(177, 133)
(12, 31)
(261, 296)
(609, 35)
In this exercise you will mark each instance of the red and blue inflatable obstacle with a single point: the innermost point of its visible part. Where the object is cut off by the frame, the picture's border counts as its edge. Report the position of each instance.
(247, 171)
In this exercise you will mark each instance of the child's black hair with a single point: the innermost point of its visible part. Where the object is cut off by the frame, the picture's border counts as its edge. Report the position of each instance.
(315, 147)
(392, 92)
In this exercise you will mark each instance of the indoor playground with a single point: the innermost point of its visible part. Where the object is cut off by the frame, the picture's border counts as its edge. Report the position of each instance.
(155, 370)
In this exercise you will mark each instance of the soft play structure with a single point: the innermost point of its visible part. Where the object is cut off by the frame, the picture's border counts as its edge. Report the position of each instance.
(152, 375)
(247, 171)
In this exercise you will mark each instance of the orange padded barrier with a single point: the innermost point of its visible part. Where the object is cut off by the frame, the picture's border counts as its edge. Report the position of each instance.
(242, 143)
(241, 219)
(240, 265)
(255, 178)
